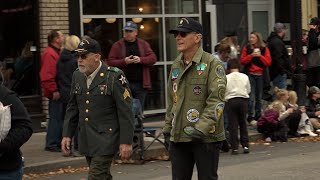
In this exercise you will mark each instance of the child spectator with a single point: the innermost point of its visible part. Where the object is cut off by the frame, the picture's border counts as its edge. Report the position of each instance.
(237, 95)
(305, 127)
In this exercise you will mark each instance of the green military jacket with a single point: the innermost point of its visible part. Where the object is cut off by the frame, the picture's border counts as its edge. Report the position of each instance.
(196, 98)
(102, 113)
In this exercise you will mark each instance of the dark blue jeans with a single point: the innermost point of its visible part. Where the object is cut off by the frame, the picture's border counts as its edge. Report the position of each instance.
(138, 92)
(55, 125)
(12, 175)
(255, 105)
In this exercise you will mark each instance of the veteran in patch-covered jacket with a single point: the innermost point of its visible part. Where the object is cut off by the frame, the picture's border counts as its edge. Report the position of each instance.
(100, 106)
(194, 118)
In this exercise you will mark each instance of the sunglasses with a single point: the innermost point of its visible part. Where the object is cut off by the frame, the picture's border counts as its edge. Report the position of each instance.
(82, 56)
(182, 34)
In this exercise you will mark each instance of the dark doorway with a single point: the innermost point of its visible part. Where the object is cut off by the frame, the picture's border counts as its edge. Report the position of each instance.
(18, 42)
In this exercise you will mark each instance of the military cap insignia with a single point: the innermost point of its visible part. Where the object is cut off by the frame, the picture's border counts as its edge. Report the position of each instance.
(201, 67)
(126, 94)
(123, 79)
(220, 72)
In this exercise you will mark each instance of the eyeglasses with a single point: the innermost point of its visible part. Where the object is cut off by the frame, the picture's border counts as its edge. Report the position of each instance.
(182, 34)
(82, 56)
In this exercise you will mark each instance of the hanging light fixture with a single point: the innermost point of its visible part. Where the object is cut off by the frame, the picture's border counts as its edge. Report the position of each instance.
(111, 20)
(140, 9)
(86, 20)
(137, 20)
(141, 27)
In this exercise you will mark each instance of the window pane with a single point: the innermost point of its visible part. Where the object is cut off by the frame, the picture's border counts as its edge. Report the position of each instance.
(260, 23)
(102, 7)
(105, 33)
(143, 6)
(156, 96)
(150, 30)
(181, 6)
(171, 23)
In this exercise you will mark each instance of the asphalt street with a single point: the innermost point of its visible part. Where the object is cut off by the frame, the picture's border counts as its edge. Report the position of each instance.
(275, 161)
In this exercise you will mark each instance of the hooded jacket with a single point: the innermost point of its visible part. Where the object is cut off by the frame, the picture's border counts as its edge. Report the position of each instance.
(279, 54)
(66, 65)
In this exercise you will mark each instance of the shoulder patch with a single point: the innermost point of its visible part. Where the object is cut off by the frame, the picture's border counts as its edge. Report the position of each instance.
(114, 69)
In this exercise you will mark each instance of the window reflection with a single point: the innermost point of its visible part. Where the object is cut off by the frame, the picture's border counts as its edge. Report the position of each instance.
(143, 6)
(156, 96)
(181, 6)
(102, 7)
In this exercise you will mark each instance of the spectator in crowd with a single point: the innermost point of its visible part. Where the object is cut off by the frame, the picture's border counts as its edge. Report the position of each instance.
(48, 78)
(255, 57)
(194, 118)
(66, 65)
(100, 107)
(305, 34)
(232, 40)
(134, 56)
(313, 107)
(313, 44)
(280, 67)
(305, 126)
(21, 130)
(237, 96)
(223, 53)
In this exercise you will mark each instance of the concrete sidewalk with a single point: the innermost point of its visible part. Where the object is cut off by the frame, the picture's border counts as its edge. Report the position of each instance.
(38, 160)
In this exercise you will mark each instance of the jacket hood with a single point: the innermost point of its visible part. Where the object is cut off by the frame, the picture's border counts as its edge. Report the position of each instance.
(273, 35)
(66, 55)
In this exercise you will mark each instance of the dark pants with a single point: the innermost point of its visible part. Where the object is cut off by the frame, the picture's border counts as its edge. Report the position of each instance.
(255, 104)
(293, 121)
(185, 154)
(138, 92)
(237, 111)
(99, 167)
(12, 175)
(314, 77)
(277, 132)
(55, 125)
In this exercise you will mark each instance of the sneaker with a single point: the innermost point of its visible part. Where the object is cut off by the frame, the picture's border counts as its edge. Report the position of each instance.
(318, 130)
(234, 152)
(268, 139)
(246, 150)
(253, 123)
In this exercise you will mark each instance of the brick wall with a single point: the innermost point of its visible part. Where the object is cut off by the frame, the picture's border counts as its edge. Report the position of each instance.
(53, 14)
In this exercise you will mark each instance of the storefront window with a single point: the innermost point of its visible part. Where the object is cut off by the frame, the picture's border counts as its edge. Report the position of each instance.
(156, 96)
(181, 6)
(143, 6)
(96, 7)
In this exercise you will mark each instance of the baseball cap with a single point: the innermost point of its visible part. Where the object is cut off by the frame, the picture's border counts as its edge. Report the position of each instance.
(187, 25)
(88, 45)
(278, 27)
(314, 21)
(313, 90)
(130, 25)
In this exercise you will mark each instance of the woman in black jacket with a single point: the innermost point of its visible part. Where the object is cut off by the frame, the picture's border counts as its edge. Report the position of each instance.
(313, 44)
(20, 132)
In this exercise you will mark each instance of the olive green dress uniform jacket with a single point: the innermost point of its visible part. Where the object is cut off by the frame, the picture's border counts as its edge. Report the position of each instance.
(196, 98)
(103, 112)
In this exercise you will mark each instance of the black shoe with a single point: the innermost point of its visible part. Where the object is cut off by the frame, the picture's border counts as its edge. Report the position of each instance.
(234, 152)
(293, 135)
(52, 149)
(246, 150)
(225, 146)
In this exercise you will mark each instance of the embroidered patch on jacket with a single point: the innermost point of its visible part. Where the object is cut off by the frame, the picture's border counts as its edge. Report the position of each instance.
(220, 72)
(175, 74)
(201, 67)
(193, 115)
(197, 90)
(218, 110)
(175, 87)
(188, 130)
(221, 94)
(126, 93)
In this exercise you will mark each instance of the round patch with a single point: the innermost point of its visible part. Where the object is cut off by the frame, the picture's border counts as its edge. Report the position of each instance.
(188, 130)
(221, 94)
(220, 72)
(218, 110)
(175, 87)
(197, 90)
(193, 115)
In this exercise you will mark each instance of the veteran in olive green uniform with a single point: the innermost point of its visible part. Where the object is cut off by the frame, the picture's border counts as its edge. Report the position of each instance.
(194, 118)
(100, 106)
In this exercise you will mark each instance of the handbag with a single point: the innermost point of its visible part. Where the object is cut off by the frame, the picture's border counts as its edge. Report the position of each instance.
(313, 58)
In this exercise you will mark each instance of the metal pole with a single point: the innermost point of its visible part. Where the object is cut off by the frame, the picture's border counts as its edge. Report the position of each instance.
(299, 78)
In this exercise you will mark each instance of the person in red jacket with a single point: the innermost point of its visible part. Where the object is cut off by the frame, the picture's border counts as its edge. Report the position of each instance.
(255, 57)
(48, 74)
(134, 56)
